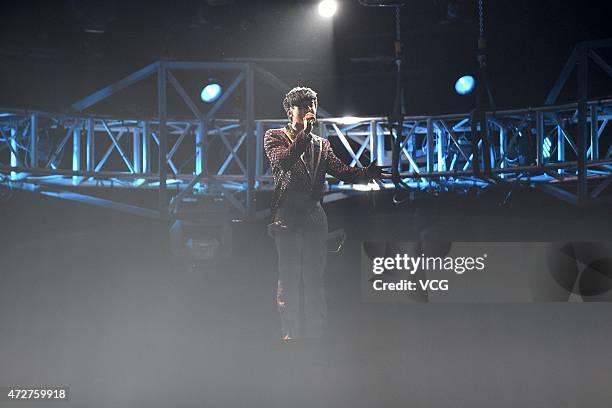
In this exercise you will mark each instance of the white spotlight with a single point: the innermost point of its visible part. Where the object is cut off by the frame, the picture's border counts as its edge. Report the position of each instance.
(327, 8)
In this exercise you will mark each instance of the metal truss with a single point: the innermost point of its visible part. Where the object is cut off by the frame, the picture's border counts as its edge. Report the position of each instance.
(552, 147)
(533, 146)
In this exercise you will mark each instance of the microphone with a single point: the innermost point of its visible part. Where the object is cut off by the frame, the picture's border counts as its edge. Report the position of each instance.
(310, 118)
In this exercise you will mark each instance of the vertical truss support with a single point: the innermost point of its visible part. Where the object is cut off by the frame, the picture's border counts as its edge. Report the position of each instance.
(377, 144)
(594, 150)
(91, 145)
(486, 145)
(34, 140)
(76, 153)
(146, 148)
(539, 138)
(13, 146)
(163, 140)
(492, 147)
(441, 147)
(475, 155)
(377, 139)
(430, 146)
(560, 148)
(582, 122)
(136, 151)
(200, 149)
(503, 144)
(250, 136)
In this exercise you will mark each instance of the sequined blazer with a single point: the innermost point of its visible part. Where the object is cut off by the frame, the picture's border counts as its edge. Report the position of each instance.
(300, 165)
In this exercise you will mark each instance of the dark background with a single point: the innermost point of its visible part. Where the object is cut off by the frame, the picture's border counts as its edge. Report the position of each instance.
(50, 57)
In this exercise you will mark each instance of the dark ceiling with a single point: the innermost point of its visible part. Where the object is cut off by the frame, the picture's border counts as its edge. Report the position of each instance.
(56, 52)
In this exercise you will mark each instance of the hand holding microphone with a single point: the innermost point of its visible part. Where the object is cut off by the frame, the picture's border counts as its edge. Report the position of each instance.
(309, 121)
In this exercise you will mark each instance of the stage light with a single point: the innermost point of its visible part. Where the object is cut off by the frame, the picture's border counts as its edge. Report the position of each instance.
(211, 92)
(327, 8)
(465, 85)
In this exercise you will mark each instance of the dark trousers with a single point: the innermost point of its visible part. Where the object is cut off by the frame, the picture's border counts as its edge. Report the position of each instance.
(302, 255)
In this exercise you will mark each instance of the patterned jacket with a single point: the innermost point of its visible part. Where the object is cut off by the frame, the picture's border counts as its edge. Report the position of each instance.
(300, 165)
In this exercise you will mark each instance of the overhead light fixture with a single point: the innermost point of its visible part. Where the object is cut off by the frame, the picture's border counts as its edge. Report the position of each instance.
(211, 92)
(327, 8)
(465, 85)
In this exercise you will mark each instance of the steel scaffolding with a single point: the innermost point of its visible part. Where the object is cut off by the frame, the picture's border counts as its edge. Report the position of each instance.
(549, 147)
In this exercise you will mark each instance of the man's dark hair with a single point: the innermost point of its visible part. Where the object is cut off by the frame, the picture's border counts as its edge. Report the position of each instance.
(299, 96)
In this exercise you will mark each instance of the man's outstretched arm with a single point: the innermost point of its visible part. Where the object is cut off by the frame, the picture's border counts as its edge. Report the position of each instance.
(349, 174)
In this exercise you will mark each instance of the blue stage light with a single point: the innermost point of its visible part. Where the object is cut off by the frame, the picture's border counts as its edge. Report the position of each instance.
(211, 92)
(465, 85)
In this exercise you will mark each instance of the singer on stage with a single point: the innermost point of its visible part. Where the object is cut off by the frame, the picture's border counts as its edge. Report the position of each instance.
(299, 161)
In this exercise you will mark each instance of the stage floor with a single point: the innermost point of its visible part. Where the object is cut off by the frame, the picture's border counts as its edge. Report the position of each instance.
(93, 300)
